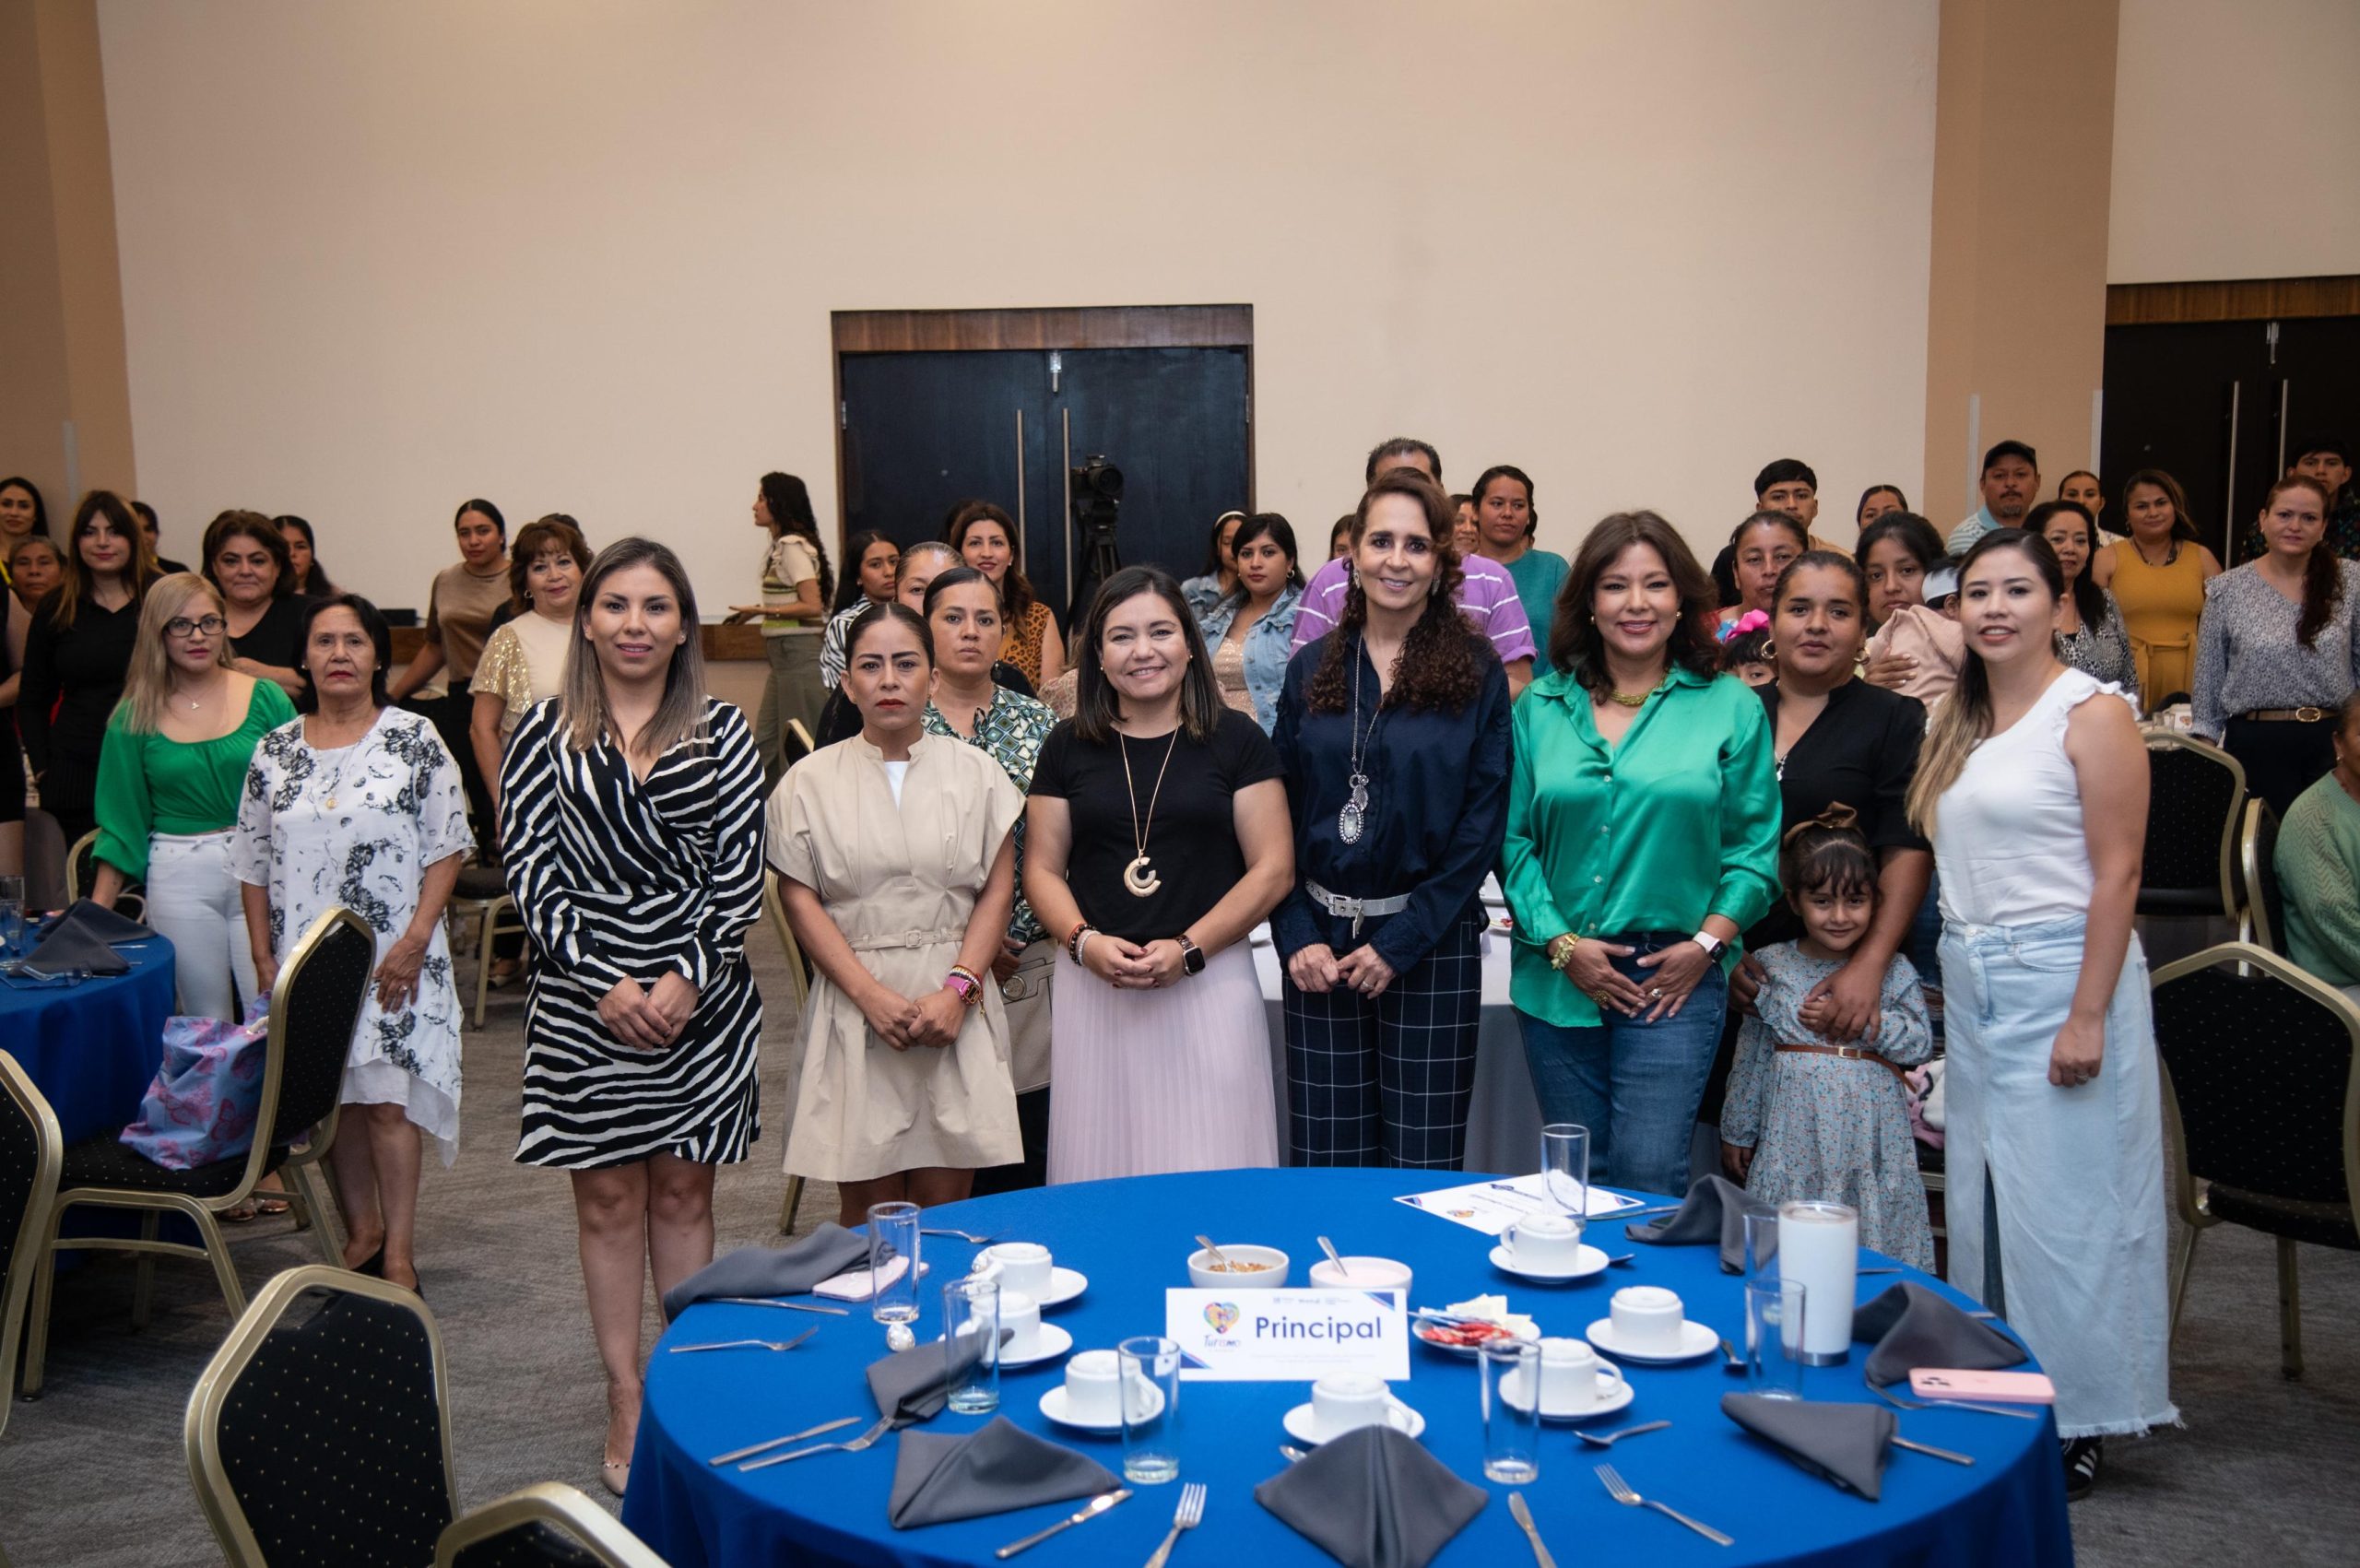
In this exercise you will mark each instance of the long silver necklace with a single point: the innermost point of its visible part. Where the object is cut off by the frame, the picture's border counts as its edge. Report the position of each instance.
(1349, 821)
(336, 785)
(1139, 876)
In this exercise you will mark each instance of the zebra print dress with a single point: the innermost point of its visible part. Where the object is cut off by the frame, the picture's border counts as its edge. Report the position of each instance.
(618, 878)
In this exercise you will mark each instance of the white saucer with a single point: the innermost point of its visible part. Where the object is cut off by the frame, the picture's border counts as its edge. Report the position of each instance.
(1588, 1261)
(1065, 1284)
(1404, 1419)
(1696, 1341)
(1512, 1390)
(1053, 1342)
(1053, 1405)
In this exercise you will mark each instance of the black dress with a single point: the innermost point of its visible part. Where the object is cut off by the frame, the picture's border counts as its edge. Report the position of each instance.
(73, 680)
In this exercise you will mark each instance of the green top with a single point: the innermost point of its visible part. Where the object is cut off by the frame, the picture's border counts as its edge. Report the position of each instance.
(150, 783)
(1608, 840)
(1537, 574)
(2318, 871)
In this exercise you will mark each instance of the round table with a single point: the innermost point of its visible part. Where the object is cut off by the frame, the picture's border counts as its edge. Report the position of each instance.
(92, 1048)
(1131, 1238)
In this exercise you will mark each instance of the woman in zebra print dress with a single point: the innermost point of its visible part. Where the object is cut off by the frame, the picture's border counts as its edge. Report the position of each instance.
(632, 819)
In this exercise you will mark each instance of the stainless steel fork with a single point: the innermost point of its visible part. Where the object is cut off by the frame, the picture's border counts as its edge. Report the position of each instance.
(865, 1440)
(1187, 1516)
(1620, 1489)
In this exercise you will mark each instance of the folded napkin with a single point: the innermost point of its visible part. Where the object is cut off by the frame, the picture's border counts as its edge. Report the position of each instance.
(914, 1385)
(1915, 1327)
(858, 1283)
(106, 925)
(1845, 1443)
(789, 1271)
(938, 1477)
(1373, 1499)
(1715, 1211)
(71, 947)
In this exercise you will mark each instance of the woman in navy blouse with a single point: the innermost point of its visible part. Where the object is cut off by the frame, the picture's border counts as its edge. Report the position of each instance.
(1394, 732)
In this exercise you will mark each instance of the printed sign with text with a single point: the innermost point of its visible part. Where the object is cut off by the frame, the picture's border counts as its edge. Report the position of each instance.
(1291, 1336)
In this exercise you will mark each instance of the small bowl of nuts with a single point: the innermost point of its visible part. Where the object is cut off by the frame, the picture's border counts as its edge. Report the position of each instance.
(1238, 1268)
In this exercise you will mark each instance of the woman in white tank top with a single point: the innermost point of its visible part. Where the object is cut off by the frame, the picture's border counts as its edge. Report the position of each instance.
(2033, 787)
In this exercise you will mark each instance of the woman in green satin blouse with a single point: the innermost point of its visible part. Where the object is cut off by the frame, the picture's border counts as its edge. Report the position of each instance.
(1643, 836)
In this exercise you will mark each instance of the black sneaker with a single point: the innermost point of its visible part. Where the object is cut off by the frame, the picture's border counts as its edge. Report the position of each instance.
(2083, 1457)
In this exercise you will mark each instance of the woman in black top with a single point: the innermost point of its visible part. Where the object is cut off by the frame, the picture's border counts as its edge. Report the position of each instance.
(1156, 838)
(246, 557)
(1394, 731)
(77, 652)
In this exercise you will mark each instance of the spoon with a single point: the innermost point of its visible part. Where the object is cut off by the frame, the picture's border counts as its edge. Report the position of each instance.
(1211, 1251)
(1329, 1249)
(1293, 1454)
(1608, 1439)
(1622, 1258)
(1735, 1362)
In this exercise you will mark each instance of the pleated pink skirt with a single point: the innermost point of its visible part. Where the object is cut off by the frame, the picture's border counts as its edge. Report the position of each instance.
(1150, 1081)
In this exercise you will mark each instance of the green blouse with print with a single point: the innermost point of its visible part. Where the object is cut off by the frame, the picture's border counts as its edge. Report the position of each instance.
(150, 783)
(1677, 820)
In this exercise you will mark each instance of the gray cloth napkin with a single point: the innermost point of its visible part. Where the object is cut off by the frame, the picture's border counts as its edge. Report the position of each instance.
(1373, 1499)
(1915, 1327)
(72, 947)
(106, 925)
(1845, 1443)
(938, 1477)
(1715, 1211)
(914, 1385)
(789, 1271)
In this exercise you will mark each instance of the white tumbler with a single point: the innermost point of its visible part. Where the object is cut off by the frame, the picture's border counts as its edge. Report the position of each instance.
(1819, 1247)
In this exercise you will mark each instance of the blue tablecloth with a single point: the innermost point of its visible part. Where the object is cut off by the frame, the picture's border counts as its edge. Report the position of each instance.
(93, 1048)
(1131, 1238)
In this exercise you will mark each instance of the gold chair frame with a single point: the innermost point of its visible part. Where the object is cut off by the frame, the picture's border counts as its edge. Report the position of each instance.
(26, 1256)
(2254, 925)
(582, 1522)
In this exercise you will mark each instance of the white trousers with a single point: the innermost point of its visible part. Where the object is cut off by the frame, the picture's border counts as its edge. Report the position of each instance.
(194, 903)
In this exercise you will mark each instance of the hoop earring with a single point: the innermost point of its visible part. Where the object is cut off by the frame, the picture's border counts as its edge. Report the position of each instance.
(1769, 650)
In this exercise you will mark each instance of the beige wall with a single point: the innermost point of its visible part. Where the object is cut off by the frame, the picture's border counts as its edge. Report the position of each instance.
(380, 257)
(2236, 143)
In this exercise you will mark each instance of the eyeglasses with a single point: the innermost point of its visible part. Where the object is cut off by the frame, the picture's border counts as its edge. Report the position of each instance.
(181, 626)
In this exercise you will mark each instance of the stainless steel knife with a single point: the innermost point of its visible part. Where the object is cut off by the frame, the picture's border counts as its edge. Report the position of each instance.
(1098, 1504)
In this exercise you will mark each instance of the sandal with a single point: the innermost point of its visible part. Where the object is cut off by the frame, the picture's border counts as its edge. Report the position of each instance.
(241, 1213)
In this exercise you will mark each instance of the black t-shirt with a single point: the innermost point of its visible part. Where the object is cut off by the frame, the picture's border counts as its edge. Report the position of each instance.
(1191, 835)
(1861, 751)
(271, 640)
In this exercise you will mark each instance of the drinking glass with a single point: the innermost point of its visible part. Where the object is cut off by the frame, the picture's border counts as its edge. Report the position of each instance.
(971, 1344)
(1564, 1168)
(1149, 1391)
(1511, 1436)
(892, 1234)
(12, 916)
(1774, 1337)
(1761, 1223)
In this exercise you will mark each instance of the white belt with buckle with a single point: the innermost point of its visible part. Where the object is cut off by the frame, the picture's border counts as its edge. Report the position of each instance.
(1354, 909)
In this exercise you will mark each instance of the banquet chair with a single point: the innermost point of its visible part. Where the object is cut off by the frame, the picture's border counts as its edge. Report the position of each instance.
(82, 875)
(313, 1010)
(324, 1436)
(2265, 915)
(482, 893)
(548, 1525)
(2263, 1108)
(800, 744)
(30, 1150)
(2196, 794)
(799, 983)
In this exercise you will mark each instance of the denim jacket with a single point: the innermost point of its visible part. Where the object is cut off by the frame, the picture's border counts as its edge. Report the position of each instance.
(1267, 646)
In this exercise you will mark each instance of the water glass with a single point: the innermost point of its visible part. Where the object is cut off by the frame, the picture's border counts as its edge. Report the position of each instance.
(1774, 1337)
(1564, 1167)
(1149, 1391)
(970, 1345)
(892, 1234)
(1761, 1222)
(1511, 1435)
(12, 916)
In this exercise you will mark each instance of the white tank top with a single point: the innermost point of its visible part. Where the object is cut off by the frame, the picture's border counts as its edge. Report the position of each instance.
(2008, 843)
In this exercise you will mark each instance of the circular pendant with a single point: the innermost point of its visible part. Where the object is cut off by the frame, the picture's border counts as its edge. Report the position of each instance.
(1348, 824)
(1140, 878)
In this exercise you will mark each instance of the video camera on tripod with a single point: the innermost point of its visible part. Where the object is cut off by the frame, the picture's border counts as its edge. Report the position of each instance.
(1095, 492)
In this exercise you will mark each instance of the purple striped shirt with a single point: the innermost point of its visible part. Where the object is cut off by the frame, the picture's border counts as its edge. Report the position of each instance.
(1487, 595)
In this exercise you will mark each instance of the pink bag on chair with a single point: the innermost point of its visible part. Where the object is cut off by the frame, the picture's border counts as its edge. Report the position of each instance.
(201, 1108)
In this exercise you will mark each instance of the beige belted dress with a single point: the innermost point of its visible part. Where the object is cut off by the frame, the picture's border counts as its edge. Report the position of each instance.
(900, 881)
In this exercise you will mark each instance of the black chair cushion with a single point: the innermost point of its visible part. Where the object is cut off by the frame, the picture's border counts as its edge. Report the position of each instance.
(532, 1544)
(2181, 901)
(322, 1008)
(332, 1437)
(2192, 805)
(103, 1160)
(19, 1168)
(2322, 1223)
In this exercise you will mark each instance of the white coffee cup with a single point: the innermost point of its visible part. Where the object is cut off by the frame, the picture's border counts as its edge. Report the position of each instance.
(1019, 1318)
(1020, 1265)
(1551, 1242)
(1091, 1379)
(1342, 1401)
(1569, 1377)
(1648, 1318)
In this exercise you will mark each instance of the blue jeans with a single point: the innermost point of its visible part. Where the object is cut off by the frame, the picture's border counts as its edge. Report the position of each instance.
(1634, 1085)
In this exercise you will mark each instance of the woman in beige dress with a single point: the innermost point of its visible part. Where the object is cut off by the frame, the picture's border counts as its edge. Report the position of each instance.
(896, 856)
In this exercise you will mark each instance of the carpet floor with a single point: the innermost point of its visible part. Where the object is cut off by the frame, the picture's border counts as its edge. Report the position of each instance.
(92, 1474)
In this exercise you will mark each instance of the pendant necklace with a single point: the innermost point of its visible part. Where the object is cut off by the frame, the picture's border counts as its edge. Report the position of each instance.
(1349, 821)
(1139, 876)
(336, 785)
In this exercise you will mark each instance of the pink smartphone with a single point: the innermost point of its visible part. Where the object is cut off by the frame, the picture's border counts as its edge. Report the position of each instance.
(1999, 1387)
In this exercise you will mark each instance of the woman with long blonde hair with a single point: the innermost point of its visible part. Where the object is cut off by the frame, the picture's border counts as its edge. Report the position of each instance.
(175, 756)
(2033, 787)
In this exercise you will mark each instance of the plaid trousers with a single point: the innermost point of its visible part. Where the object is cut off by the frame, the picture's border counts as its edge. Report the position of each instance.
(1386, 1080)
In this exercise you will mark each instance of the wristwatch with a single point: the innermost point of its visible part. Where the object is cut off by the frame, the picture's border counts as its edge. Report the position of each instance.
(1710, 943)
(1192, 957)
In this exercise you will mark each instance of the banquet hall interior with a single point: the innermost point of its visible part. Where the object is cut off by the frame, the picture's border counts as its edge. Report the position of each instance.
(615, 260)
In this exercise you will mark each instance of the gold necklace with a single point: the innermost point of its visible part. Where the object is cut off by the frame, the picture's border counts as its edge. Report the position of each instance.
(1625, 700)
(1139, 876)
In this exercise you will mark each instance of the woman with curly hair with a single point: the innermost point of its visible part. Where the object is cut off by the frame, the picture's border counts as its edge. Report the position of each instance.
(1642, 837)
(1394, 733)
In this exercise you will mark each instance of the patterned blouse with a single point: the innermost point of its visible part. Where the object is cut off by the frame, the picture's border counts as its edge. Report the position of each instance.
(2248, 656)
(2103, 650)
(1011, 729)
(1025, 633)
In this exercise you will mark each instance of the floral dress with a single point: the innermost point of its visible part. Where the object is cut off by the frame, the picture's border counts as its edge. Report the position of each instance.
(356, 828)
(1824, 1126)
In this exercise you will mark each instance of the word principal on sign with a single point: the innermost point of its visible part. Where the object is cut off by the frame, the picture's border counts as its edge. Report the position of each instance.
(1290, 1335)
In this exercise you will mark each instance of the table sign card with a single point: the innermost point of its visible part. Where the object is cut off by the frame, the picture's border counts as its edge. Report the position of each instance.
(1492, 1207)
(1289, 1336)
